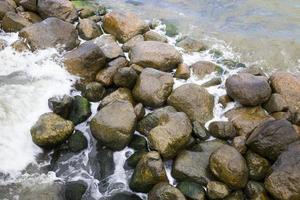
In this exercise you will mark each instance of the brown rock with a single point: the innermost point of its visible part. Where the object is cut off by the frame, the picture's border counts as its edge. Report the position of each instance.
(164, 191)
(121, 94)
(88, 29)
(239, 143)
(30, 5)
(258, 166)
(31, 16)
(133, 41)
(154, 36)
(4, 8)
(224, 100)
(125, 77)
(182, 71)
(276, 103)
(222, 130)
(20, 46)
(13, 22)
(203, 68)
(191, 45)
(139, 111)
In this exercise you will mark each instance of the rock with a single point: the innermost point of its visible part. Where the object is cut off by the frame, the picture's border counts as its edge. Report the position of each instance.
(80, 110)
(203, 68)
(138, 143)
(138, 69)
(148, 172)
(139, 111)
(239, 143)
(51, 130)
(182, 71)
(104, 165)
(86, 12)
(285, 115)
(237, 195)
(109, 46)
(232, 64)
(94, 91)
(30, 16)
(258, 166)
(283, 183)
(105, 76)
(85, 61)
(153, 87)
(254, 70)
(247, 89)
(172, 135)
(61, 105)
(164, 191)
(212, 82)
(51, 32)
(194, 164)
(114, 124)
(194, 100)
(133, 41)
(245, 119)
(270, 138)
(61, 9)
(200, 131)
(122, 196)
(30, 5)
(75, 190)
(191, 190)
(224, 100)
(154, 36)
(222, 130)
(171, 29)
(276, 103)
(255, 190)
(88, 29)
(227, 164)
(77, 142)
(123, 26)
(134, 159)
(20, 46)
(123, 94)
(4, 8)
(96, 18)
(13, 22)
(217, 190)
(157, 55)
(191, 45)
(125, 77)
(3, 44)
(153, 119)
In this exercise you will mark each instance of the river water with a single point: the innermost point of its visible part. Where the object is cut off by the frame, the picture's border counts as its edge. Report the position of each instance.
(262, 32)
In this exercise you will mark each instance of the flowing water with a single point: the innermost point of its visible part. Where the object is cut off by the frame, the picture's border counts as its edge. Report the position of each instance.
(260, 32)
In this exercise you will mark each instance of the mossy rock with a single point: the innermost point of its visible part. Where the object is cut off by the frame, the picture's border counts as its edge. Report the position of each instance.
(80, 111)
(138, 143)
(133, 160)
(77, 142)
(191, 190)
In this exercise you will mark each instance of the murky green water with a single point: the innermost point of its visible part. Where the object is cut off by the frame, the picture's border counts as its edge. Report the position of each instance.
(266, 32)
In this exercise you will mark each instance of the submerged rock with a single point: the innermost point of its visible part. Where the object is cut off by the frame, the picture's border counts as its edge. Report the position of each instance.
(164, 191)
(191, 190)
(191, 45)
(80, 110)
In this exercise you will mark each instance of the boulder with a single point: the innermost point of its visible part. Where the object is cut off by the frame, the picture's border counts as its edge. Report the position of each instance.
(276, 103)
(284, 181)
(254, 70)
(51, 130)
(194, 100)
(245, 119)
(85, 61)
(31, 16)
(61, 9)
(236, 195)
(138, 143)
(94, 91)
(51, 32)
(61, 105)
(255, 190)
(157, 55)
(13, 22)
(125, 77)
(217, 190)
(191, 190)
(239, 143)
(139, 111)
(30, 5)
(123, 25)
(154, 36)
(247, 89)
(114, 124)
(212, 82)
(77, 142)
(80, 110)
(270, 138)
(134, 159)
(164, 191)
(133, 41)
(182, 71)
(222, 129)
(203, 68)
(224, 100)
(228, 165)
(148, 172)
(153, 87)
(191, 45)
(88, 29)
(123, 94)
(200, 131)
(4, 8)
(258, 166)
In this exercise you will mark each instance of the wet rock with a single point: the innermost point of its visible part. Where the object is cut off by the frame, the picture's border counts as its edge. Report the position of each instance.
(245, 119)
(285, 115)
(148, 172)
(203, 68)
(232, 64)
(134, 159)
(133, 41)
(227, 164)
(255, 190)
(270, 138)
(247, 89)
(182, 71)
(123, 26)
(217, 190)
(75, 190)
(164, 191)
(191, 190)
(222, 130)
(88, 29)
(254, 70)
(154, 36)
(194, 164)
(61, 105)
(30, 5)
(86, 12)
(258, 166)
(4, 8)
(104, 166)
(283, 183)
(114, 124)
(51, 130)
(94, 91)
(51, 32)
(61, 9)
(157, 55)
(13, 22)
(200, 131)
(237, 195)
(80, 110)
(125, 77)
(191, 45)
(153, 119)
(123, 94)
(194, 100)
(20, 46)
(123, 196)
(239, 143)
(224, 100)
(171, 135)
(3, 44)
(171, 29)
(77, 142)
(30, 16)
(139, 111)
(276, 103)
(153, 87)
(138, 143)
(106, 75)
(212, 82)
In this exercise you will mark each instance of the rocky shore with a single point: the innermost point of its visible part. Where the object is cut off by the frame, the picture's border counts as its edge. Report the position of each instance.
(129, 70)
